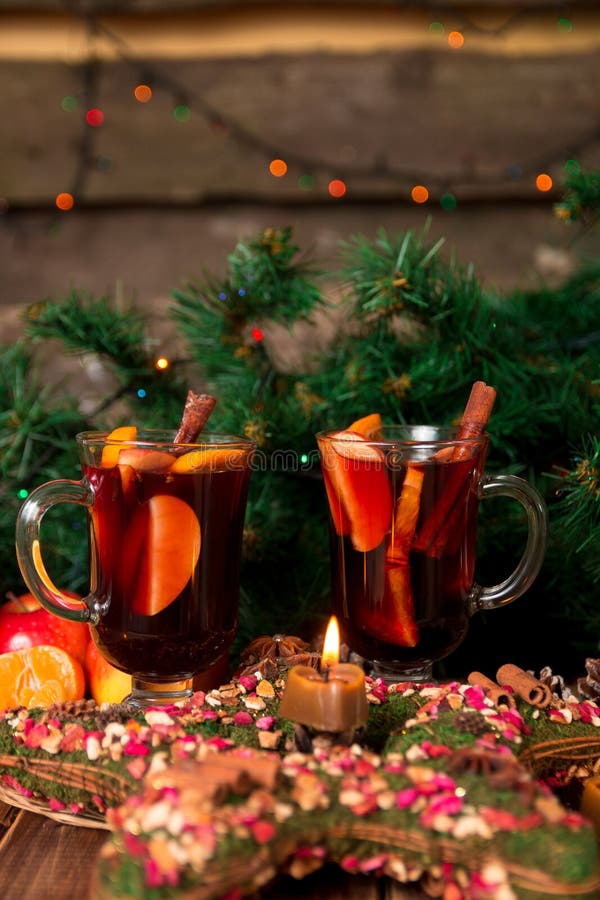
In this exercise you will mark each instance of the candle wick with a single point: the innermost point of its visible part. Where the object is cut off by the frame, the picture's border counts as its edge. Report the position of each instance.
(326, 674)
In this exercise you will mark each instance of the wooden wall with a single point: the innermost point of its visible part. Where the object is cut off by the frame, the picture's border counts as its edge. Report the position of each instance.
(363, 92)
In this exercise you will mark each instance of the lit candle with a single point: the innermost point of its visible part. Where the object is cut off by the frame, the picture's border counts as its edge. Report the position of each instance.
(333, 699)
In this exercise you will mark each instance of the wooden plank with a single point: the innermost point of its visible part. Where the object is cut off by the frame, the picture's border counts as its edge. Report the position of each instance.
(40, 858)
(146, 6)
(479, 126)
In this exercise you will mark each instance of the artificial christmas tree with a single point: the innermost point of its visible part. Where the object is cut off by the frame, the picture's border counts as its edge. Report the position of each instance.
(419, 329)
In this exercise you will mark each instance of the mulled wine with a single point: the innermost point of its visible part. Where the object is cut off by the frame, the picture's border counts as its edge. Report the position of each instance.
(403, 504)
(409, 605)
(167, 546)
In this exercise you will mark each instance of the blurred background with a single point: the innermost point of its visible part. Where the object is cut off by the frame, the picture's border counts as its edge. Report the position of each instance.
(142, 139)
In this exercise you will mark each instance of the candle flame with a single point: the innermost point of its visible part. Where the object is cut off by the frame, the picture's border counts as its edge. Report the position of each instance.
(331, 645)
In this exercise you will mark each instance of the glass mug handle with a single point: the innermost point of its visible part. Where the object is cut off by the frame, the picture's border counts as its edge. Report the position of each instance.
(29, 555)
(522, 577)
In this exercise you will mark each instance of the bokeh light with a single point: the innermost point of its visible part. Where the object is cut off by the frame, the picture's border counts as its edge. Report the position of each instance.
(543, 182)
(94, 117)
(564, 25)
(68, 104)
(278, 167)
(257, 334)
(306, 182)
(161, 363)
(456, 40)
(336, 188)
(142, 93)
(419, 194)
(448, 202)
(436, 28)
(572, 167)
(64, 201)
(182, 113)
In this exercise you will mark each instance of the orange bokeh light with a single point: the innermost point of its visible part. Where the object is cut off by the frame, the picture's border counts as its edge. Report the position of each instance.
(278, 167)
(161, 363)
(142, 93)
(65, 201)
(543, 182)
(336, 188)
(456, 39)
(419, 194)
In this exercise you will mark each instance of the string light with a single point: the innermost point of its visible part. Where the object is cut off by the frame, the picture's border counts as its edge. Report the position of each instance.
(257, 334)
(161, 363)
(142, 93)
(448, 202)
(141, 392)
(182, 113)
(94, 117)
(336, 188)
(278, 167)
(543, 182)
(256, 143)
(68, 104)
(22, 493)
(64, 201)
(456, 40)
(419, 194)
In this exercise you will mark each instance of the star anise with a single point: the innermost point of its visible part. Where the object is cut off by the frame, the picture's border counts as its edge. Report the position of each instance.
(276, 646)
(501, 772)
(267, 653)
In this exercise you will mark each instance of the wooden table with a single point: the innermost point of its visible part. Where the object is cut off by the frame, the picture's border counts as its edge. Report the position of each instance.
(41, 859)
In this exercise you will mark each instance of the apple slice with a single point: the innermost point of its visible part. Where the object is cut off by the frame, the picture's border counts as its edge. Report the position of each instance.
(161, 548)
(368, 426)
(213, 459)
(110, 453)
(359, 478)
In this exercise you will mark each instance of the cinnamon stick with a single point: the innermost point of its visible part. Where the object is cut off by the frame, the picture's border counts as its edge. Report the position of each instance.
(196, 413)
(497, 695)
(436, 529)
(530, 689)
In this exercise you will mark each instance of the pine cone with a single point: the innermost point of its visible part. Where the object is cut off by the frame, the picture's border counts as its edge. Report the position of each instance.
(89, 710)
(471, 722)
(589, 687)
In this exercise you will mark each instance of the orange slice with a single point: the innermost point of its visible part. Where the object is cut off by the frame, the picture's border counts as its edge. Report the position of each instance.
(214, 459)
(110, 452)
(369, 427)
(359, 481)
(39, 676)
(161, 548)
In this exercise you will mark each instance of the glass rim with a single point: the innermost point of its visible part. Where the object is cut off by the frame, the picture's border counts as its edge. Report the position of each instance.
(422, 436)
(156, 437)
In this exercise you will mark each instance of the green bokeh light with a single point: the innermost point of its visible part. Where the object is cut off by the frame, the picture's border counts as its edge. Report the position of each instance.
(436, 28)
(68, 104)
(572, 167)
(22, 493)
(564, 25)
(448, 202)
(182, 113)
(306, 182)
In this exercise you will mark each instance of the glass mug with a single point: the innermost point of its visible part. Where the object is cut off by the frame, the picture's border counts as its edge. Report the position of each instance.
(403, 523)
(165, 525)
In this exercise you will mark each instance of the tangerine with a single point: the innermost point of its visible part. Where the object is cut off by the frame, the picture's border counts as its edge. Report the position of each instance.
(39, 676)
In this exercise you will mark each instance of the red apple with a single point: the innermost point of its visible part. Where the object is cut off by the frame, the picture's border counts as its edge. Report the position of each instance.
(105, 683)
(25, 623)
